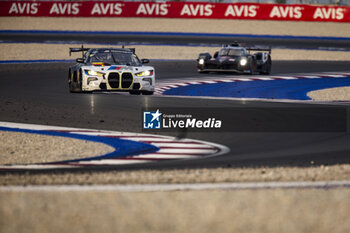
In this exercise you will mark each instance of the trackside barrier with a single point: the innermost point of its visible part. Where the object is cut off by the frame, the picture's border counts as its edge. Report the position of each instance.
(175, 10)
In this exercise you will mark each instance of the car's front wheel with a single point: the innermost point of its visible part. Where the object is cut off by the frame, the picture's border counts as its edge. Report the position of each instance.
(75, 80)
(80, 81)
(147, 92)
(71, 81)
(202, 71)
(267, 67)
(251, 66)
(134, 92)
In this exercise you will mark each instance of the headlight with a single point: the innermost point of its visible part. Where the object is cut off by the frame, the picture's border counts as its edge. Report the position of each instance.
(145, 73)
(243, 61)
(201, 61)
(94, 73)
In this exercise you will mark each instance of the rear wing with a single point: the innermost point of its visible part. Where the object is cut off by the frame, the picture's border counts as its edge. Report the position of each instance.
(133, 50)
(81, 49)
(236, 44)
(259, 49)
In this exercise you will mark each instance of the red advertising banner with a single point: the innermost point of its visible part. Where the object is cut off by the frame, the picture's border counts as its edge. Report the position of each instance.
(175, 10)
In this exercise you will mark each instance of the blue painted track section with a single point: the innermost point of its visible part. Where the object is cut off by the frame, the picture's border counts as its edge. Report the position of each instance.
(275, 89)
(122, 147)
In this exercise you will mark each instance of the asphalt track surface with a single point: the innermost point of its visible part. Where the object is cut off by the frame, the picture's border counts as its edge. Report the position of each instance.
(38, 94)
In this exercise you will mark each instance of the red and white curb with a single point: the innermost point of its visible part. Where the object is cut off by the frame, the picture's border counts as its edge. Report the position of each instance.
(170, 148)
(161, 87)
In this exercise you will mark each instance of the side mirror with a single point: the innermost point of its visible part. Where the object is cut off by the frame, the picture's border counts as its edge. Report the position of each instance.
(216, 54)
(79, 60)
(144, 61)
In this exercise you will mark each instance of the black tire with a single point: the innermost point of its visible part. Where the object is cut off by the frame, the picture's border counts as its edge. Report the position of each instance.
(134, 92)
(147, 92)
(75, 82)
(205, 57)
(251, 67)
(70, 81)
(80, 81)
(267, 66)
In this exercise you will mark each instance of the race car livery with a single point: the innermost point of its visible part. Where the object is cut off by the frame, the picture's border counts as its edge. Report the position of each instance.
(236, 58)
(111, 69)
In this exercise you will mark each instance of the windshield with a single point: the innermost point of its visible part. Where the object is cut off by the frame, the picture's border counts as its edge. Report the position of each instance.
(115, 58)
(231, 52)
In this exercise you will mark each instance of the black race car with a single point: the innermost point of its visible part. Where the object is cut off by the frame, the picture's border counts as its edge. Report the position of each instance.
(236, 58)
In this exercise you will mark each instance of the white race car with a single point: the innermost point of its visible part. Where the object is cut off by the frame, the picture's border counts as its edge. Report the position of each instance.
(111, 69)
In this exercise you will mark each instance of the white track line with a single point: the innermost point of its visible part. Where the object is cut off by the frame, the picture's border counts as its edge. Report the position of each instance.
(175, 144)
(164, 156)
(178, 187)
(140, 139)
(110, 162)
(311, 77)
(264, 78)
(203, 151)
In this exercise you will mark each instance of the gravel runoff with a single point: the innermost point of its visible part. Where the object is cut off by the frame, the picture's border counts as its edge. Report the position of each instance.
(25, 148)
(177, 25)
(331, 94)
(264, 211)
(36, 51)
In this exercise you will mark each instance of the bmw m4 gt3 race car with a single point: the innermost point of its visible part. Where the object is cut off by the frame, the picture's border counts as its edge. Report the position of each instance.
(110, 69)
(236, 58)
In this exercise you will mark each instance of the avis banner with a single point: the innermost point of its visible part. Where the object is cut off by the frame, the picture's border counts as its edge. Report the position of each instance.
(205, 10)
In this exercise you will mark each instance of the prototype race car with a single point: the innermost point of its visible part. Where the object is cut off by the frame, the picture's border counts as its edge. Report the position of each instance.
(236, 58)
(110, 69)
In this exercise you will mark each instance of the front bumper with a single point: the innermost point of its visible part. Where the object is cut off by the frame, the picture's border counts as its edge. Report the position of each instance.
(115, 81)
(224, 70)
(226, 66)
